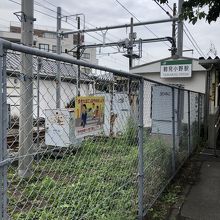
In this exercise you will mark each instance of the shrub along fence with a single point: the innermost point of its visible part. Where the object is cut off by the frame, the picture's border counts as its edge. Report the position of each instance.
(91, 144)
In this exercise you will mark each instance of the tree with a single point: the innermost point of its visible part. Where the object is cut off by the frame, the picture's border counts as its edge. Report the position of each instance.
(195, 10)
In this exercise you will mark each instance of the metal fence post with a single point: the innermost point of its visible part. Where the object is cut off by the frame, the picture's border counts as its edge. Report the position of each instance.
(140, 152)
(58, 50)
(174, 133)
(189, 126)
(39, 66)
(199, 99)
(3, 136)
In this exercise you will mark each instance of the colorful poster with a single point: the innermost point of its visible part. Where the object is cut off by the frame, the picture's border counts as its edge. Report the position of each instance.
(89, 115)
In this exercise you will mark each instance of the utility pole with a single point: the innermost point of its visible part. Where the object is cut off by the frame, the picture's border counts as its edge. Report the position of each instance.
(173, 51)
(26, 93)
(58, 78)
(130, 54)
(130, 49)
(180, 30)
(78, 55)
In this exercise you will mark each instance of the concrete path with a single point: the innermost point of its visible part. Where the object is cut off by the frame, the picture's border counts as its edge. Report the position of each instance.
(203, 199)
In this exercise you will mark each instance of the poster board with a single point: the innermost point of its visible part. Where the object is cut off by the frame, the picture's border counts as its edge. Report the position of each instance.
(89, 115)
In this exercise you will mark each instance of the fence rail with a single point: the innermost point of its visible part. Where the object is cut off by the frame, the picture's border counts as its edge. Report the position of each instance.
(106, 154)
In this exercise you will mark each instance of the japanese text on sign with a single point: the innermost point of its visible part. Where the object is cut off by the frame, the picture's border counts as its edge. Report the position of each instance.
(177, 68)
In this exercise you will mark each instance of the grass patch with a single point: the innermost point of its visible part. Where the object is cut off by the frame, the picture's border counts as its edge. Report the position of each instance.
(96, 182)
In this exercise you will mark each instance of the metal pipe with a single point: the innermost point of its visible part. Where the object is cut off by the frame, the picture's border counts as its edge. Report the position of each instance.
(58, 79)
(78, 57)
(189, 126)
(180, 31)
(131, 44)
(174, 133)
(150, 40)
(121, 26)
(38, 104)
(198, 114)
(37, 52)
(173, 51)
(141, 152)
(1, 136)
(4, 140)
(71, 60)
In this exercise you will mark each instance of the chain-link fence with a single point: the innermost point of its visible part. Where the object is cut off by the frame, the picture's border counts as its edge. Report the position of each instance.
(94, 144)
(173, 125)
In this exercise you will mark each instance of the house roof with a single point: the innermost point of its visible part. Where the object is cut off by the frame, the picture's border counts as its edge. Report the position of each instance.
(209, 63)
(154, 67)
(48, 67)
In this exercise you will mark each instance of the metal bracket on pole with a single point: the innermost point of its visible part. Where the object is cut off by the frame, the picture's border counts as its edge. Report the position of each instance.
(104, 36)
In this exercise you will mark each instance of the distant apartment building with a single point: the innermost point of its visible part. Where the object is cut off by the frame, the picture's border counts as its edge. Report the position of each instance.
(45, 39)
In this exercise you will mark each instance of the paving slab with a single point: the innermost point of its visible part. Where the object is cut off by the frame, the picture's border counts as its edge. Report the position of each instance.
(203, 200)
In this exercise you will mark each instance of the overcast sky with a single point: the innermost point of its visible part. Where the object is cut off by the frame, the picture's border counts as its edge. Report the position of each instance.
(110, 12)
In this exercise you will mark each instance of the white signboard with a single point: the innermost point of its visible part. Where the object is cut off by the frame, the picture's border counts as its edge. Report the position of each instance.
(176, 68)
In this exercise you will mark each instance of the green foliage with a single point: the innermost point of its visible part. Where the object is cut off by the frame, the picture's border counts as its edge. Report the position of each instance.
(157, 159)
(194, 10)
(96, 182)
(131, 131)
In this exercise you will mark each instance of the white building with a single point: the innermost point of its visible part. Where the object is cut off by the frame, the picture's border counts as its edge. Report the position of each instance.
(45, 39)
(194, 80)
(47, 84)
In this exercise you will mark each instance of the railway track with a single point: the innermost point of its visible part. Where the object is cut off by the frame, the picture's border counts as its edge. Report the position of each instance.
(13, 137)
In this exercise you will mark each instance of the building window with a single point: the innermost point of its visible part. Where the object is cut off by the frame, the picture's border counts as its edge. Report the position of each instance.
(50, 35)
(54, 48)
(74, 54)
(66, 35)
(86, 56)
(44, 47)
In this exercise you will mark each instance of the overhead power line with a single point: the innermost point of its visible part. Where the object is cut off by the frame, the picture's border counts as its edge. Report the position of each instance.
(193, 39)
(189, 35)
(193, 43)
(163, 8)
(169, 6)
(54, 17)
(132, 14)
(89, 25)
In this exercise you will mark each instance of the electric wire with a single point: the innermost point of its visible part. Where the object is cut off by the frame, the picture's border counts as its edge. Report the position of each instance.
(132, 14)
(163, 9)
(54, 17)
(195, 44)
(192, 43)
(169, 6)
(39, 4)
(94, 27)
(194, 40)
